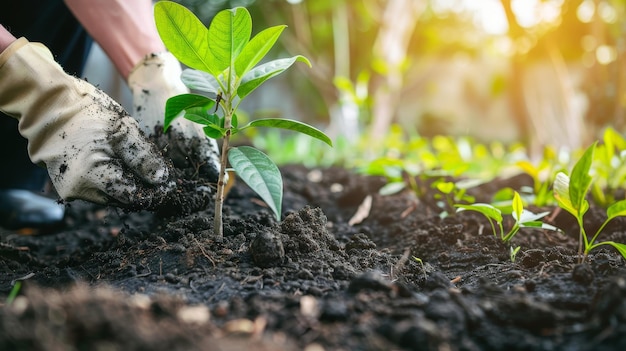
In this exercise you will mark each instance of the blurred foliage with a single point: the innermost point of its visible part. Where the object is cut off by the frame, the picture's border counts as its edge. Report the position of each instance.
(340, 38)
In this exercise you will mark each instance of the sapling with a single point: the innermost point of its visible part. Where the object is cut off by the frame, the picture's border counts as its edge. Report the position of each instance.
(523, 219)
(223, 64)
(571, 195)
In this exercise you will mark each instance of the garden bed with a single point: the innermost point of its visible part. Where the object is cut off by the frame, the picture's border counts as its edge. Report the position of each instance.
(315, 281)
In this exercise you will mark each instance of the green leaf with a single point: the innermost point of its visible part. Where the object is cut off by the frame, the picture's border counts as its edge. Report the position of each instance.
(256, 49)
(260, 74)
(444, 187)
(213, 131)
(201, 116)
(561, 194)
(486, 209)
(260, 173)
(580, 180)
(518, 207)
(617, 209)
(201, 81)
(229, 33)
(184, 35)
(234, 122)
(528, 216)
(176, 104)
(550, 227)
(290, 124)
(529, 168)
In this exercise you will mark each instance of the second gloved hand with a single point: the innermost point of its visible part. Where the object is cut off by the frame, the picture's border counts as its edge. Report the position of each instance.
(154, 80)
(92, 148)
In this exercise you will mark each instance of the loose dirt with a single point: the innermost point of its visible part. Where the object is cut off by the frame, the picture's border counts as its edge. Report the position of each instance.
(314, 281)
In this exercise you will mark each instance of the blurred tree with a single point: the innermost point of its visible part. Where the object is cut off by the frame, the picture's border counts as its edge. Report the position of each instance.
(541, 91)
(372, 56)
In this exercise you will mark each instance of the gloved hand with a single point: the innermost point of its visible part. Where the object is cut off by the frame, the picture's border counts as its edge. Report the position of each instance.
(153, 80)
(92, 148)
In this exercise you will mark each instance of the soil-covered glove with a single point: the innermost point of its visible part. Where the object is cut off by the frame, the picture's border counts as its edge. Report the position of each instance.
(154, 80)
(92, 148)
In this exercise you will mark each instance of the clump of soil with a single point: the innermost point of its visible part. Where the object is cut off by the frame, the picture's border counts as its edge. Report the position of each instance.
(136, 281)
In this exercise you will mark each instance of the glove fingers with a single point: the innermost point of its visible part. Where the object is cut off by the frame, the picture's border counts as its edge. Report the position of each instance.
(120, 187)
(189, 144)
(138, 154)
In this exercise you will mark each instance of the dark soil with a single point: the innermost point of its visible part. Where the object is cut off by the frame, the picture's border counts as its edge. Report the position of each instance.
(111, 280)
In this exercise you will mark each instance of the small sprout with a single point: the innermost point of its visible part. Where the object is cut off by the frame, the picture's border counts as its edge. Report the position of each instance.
(571, 195)
(523, 219)
(513, 254)
(14, 292)
(419, 260)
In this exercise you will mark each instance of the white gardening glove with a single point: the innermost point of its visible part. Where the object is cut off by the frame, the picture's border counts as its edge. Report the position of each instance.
(92, 148)
(154, 80)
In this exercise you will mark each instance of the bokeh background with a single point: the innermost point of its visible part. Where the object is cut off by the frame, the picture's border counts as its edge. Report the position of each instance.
(540, 72)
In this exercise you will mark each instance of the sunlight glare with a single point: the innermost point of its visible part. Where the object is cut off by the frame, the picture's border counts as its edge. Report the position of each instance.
(605, 54)
(607, 12)
(490, 17)
(585, 11)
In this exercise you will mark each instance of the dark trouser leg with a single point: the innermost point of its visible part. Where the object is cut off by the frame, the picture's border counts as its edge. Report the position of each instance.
(51, 23)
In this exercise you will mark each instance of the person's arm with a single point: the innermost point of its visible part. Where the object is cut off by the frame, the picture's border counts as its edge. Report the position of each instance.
(6, 38)
(125, 29)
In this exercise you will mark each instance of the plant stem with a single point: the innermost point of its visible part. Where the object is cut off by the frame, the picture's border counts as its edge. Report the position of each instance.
(218, 227)
(582, 236)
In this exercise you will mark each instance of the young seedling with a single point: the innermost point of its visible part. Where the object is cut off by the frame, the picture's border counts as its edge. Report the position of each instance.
(523, 219)
(571, 195)
(14, 292)
(450, 193)
(419, 260)
(223, 64)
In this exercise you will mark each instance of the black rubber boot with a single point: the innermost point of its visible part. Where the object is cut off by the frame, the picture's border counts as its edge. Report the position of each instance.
(25, 209)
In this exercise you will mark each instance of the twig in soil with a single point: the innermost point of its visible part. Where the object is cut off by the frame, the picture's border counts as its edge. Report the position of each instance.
(456, 279)
(412, 207)
(362, 212)
(253, 279)
(216, 293)
(145, 274)
(399, 265)
(197, 166)
(193, 288)
(204, 252)
(552, 217)
(27, 276)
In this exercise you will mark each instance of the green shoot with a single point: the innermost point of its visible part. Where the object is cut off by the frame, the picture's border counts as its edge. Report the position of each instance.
(571, 195)
(523, 219)
(419, 260)
(223, 64)
(14, 292)
(513, 253)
